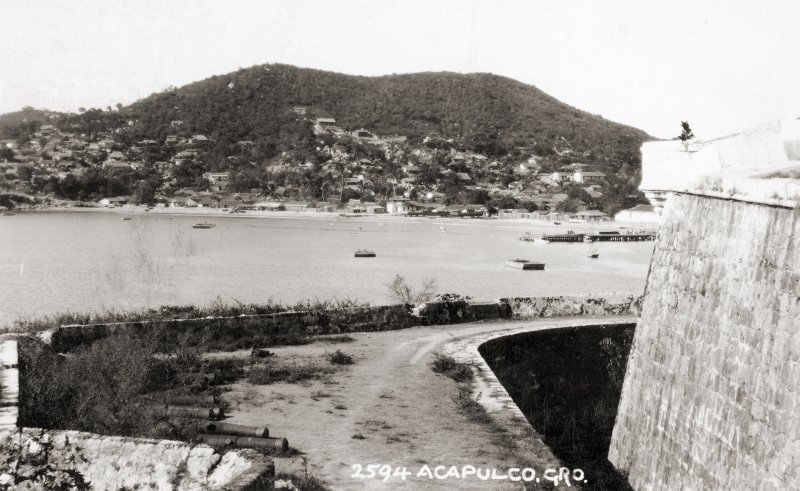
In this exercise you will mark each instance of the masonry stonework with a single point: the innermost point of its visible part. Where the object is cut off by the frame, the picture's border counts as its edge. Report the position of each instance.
(712, 392)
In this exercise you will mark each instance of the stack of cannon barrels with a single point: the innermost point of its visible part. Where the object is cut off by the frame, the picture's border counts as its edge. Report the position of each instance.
(205, 413)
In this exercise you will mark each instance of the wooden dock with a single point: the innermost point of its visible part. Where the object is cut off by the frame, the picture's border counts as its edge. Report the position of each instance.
(600, 237)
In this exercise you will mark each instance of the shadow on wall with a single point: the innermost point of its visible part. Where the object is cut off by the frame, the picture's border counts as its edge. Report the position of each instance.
(568, 382)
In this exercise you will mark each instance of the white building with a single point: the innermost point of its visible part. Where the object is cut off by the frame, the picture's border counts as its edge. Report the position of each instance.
(639, 214)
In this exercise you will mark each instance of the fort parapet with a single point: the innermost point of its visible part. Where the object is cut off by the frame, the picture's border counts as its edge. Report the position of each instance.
(711, 397)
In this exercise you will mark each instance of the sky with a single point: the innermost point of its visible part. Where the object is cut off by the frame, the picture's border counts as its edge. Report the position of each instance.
(721, 65)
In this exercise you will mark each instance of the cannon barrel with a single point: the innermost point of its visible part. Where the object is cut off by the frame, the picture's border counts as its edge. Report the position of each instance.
(244, 441)
(236, 430)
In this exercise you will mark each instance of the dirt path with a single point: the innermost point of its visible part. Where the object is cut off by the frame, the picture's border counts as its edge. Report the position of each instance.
(404, 412)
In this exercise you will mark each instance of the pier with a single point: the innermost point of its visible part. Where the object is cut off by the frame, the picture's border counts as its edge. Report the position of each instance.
(600, 237)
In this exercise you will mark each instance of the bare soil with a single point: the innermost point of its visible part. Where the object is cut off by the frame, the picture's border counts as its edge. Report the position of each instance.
(387, 408)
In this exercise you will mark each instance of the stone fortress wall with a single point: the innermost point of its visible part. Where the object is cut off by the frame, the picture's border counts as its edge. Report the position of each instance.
(711, 398)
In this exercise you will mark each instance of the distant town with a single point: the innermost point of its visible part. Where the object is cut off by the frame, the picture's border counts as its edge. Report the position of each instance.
(356, 172)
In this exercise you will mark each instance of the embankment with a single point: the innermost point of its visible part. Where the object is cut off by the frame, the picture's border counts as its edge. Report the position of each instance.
(567, 383)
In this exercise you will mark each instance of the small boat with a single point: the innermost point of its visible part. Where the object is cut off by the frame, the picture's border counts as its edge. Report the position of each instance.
(593, 254)
(556, 223)
(8, 213)
(365, 253)
(587, 238)
(524, 264)
(125, 218)
(204, 225)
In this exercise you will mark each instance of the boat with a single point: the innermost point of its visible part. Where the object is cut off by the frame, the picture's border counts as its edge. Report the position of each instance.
(537, 239)
(556, 223)
(125, 218)
(588, 238)
(8, 213)
(524, 264)
(204, 225)
(365, 253)
(593, 254)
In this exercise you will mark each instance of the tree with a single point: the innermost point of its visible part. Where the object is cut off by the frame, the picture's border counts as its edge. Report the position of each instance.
(686, 134)
(400, 291)
(6, 154)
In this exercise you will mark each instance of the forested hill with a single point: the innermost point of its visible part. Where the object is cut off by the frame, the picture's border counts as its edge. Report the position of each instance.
(482, 112)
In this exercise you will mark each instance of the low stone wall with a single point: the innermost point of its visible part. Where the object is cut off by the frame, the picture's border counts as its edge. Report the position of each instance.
(110, 462)
(532, 307)
(252, 328)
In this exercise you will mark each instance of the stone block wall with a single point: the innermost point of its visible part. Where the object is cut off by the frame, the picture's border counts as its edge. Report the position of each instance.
(711, 398)
(111, 462)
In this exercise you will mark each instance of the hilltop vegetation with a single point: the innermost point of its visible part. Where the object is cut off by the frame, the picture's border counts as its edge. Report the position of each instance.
(481, 112)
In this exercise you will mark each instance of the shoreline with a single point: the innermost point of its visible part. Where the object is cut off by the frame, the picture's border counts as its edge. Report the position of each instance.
(323, 215)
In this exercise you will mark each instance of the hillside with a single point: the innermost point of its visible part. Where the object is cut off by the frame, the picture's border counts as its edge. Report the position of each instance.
(476, 139)
(482, 112)
(19, 124)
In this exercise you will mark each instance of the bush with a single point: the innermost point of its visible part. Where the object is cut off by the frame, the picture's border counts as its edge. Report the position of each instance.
(449, 367)
(339, 357)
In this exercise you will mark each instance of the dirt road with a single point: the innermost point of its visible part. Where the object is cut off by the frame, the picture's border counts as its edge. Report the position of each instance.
(390, 408)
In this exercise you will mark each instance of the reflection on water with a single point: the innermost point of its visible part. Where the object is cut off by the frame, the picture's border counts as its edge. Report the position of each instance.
(52, 262)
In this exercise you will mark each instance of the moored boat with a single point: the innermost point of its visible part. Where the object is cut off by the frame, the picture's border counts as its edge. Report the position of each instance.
(125, 218)
(365, 253)
(524, 264)
(593, 254)
(204, 225)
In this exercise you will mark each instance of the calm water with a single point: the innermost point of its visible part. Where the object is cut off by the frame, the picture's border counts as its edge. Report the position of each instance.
(51, 262)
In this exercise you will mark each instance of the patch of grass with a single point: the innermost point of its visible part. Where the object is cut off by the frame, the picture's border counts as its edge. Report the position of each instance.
(449, 367)
(292, 374)
(330, 339)
(225, 370)
(339, 357)
(318, 394)
(469, 407)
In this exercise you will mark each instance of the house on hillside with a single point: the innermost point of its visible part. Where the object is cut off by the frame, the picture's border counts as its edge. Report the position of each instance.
(589, 216)
(112, 202)
(325, 125)
(199, 140)
(364, 134)
(218, 180)
(177, 202)
(245, 143)
(587, 177)
(397, 205)
(301, 110)
(176, 123)
(559, 177)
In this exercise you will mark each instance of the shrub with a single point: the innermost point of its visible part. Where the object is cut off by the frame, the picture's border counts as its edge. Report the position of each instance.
(339, 357)
(449, 367)
(400, 291)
